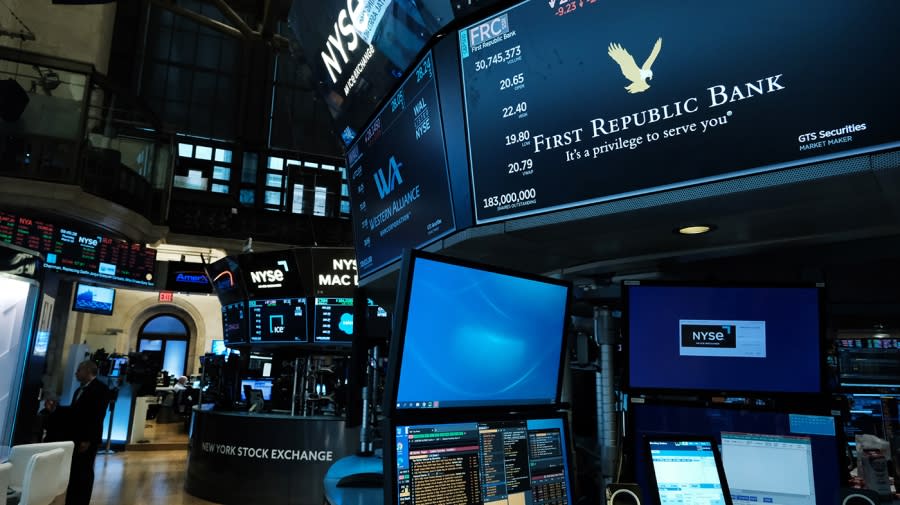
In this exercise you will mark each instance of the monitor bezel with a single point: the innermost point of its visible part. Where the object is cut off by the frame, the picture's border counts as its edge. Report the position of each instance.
(821, 358)
(435, 416)
(398, 338)
(75, 307)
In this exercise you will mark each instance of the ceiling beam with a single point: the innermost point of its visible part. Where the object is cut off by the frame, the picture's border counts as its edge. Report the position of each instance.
(198, 18)
(234, 17)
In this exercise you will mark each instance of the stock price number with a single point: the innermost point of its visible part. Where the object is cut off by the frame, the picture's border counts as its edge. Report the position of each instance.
(515, 110)
(518, 138)
(512, 82)
(520, 166)
(510, 55)
(507, 199)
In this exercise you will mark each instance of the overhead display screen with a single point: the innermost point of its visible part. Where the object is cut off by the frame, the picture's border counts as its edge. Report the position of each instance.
(399, 183)
(71, 250)
(334, 320)
(234, 323)
(572, 102)
(476, 338)
(724, 338)
(278, 321)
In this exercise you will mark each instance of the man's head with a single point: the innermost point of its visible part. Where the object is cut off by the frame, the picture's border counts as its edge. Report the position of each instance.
(86, 371)
(182, 380)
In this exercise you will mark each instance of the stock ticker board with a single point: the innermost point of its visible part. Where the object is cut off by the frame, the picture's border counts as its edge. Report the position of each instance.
(67, 249)
(399, 184)
(572, 102)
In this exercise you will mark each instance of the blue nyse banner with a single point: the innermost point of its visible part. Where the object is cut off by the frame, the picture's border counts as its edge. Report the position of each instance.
(571, 102)
(399, 186)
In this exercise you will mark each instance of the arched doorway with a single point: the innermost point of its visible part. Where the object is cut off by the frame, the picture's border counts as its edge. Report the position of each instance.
(169, 335)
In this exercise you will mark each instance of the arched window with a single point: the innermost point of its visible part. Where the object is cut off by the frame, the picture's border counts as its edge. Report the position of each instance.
(168, 335)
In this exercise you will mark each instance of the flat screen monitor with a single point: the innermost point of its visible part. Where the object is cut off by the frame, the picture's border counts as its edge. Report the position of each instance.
(512, 461)
(334, 321)
(94, 299)
(117, 366)
(769, 457)
(724, 338)
(687, 471)
(234, 323)
(264, 385)
(278, 321)
(471, 336)
(218, 348)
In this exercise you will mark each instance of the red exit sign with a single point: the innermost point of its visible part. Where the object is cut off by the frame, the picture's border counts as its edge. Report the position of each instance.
(166, 296)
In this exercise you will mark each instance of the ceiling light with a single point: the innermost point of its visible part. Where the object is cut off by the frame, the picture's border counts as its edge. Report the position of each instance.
(696, 229)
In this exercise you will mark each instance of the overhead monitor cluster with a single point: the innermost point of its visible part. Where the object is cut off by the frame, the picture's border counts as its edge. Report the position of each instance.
(295, 298)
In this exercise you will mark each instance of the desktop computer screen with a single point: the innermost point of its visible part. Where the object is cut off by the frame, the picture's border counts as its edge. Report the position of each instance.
(470, 336)
(769, 457)
(687, 472)
(515, 462)
(264, 385)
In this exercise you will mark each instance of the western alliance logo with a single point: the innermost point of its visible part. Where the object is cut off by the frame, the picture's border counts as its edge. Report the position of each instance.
(637, 76)
(706, 335)
(386, 184)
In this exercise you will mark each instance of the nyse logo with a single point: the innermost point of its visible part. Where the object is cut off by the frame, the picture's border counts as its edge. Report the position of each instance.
(262, 276)
(703, 335)
(90, 242)
(386, 184)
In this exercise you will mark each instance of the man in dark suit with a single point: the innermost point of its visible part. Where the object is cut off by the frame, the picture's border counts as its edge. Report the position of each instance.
(83, 425)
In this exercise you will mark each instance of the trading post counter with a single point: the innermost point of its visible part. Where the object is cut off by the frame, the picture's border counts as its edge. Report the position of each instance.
(240, 458)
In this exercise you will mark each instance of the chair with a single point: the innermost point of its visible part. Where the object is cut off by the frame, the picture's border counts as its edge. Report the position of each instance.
(5, 471)
(39, 484)
(20, 455)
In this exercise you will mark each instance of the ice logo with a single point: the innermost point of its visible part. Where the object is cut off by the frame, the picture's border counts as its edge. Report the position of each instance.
(346, 324)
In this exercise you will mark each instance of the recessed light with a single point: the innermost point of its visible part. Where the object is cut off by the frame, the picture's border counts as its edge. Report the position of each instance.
(696, 229)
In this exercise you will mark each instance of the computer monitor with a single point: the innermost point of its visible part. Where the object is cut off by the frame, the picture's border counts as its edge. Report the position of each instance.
(278, 321)
(218, 348)
(117, 366)
(234, 323)
(687, 471)
(94, 299)
(724, 338)
(264, 385)
(474, 336)
(494, 461)
(795, 455)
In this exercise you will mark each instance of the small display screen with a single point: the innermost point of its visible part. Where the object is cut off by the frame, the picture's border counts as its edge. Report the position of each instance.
(280, 320)
(234, 323)
(686, 469)
(264, 385)
(94, 299)
(334, 320)
(520, 461)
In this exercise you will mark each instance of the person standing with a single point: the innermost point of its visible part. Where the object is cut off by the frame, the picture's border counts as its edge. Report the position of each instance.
(83, 422)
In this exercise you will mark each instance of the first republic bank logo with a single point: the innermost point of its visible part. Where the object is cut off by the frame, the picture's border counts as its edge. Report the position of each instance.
(637, 76)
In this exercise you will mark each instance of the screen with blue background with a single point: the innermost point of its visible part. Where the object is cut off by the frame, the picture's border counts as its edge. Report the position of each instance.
(762, 339)
(676, 420)
(479, 338)
(94, 299)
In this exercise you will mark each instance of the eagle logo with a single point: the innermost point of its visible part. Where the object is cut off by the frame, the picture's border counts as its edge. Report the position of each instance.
(637, 76)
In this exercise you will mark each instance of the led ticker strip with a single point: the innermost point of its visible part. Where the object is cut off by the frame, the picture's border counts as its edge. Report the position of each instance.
(70, 250)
